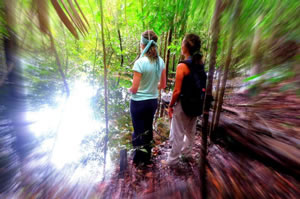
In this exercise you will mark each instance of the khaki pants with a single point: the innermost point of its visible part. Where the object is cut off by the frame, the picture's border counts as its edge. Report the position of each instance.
(183, 129)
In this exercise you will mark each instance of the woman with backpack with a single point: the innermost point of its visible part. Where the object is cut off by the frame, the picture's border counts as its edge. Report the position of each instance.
(149, 76)
(187, 99)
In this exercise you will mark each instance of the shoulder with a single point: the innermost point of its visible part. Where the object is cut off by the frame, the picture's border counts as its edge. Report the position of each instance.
(161, 63)
(183, 67)
(141, 60)
(160, 60)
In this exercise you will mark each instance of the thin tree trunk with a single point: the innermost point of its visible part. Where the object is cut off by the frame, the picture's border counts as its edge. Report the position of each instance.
(121, 47)
(183, 26)
(227, 63)
(58, 62)
(157, 114)
(66, 57)
(142, 10)
(216, 100)
(218, 87)
(161, 43)
(158, 107)
(174, 62)
(174, 55)
(165, 48)
(208, 96)
(207, 45)
(168, 54)
(256, 51)
(97, 38)
(122, 56)
(105, 86)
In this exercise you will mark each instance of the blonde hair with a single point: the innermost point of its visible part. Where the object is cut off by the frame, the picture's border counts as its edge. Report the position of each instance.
(151, 53)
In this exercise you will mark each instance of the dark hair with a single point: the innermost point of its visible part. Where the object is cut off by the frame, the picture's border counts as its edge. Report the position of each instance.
(150, 35)
(193, 44)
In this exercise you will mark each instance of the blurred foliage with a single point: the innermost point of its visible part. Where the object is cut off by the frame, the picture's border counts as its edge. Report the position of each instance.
(276, 22)
(267, 40)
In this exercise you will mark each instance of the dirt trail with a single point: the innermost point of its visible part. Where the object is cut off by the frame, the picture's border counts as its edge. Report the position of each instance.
(230, 175)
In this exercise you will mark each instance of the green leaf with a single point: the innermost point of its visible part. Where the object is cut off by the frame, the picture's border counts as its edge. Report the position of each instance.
(144, 150)
(251, 78)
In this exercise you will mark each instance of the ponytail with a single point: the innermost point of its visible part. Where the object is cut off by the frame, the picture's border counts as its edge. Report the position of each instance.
(193, 43)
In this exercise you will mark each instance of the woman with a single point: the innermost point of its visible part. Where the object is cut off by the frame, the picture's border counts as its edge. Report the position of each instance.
(149, 76)
(183, 126)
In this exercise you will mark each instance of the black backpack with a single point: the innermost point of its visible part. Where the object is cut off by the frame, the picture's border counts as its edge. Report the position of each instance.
(193, 89)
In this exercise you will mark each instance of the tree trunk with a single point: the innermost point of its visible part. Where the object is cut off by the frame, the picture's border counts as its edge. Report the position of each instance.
(121, 48)
(208, 96)
(217, 94)
(105, 86)
(227, 63)
(58, 63)
(165, 48)
(158, 107)
(161, 44)
(174, 55)
(174, 62)
(16, 101)
(168, 54)
(181, 33)
(142, 10)
(256, 50)
(122, 57)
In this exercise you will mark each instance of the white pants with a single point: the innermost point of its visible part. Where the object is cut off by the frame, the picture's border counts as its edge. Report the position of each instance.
(183, 129)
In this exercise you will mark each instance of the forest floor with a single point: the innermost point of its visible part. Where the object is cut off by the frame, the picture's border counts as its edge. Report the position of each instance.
(229, 175)
(254, 154)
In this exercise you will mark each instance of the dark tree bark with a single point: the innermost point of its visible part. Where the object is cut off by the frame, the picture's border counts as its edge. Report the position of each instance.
(16, 101)
(216, 100)
(208, 96)
(174, 63)
(161, 44)
(123, 162)
(121, 47)
(174, 55)
(105, 86)
(227, 63)
(168, 53)
(58, 63)
(217, 94)
(122, 57)
(165, 47)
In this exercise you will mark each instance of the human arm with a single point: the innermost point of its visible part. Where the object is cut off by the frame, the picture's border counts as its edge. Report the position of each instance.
(163, 80)
(136, 82)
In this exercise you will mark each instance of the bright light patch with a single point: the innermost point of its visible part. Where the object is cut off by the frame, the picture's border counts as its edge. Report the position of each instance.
(70, 123)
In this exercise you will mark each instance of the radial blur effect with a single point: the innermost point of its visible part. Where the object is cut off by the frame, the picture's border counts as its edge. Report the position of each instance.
(52, 102)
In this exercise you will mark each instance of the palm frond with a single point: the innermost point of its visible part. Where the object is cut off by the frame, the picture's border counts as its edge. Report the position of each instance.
(71, 17)
(42, 13)
(64, 18)
(77, 16)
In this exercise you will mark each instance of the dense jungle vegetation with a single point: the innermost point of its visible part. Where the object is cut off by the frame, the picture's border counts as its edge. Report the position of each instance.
(50, 48)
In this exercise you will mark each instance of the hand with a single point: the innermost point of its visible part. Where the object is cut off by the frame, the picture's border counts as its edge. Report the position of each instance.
(170, 111)
(129, 90)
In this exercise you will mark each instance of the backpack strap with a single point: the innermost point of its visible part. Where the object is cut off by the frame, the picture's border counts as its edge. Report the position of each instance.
(187, 62)
(190, 66)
